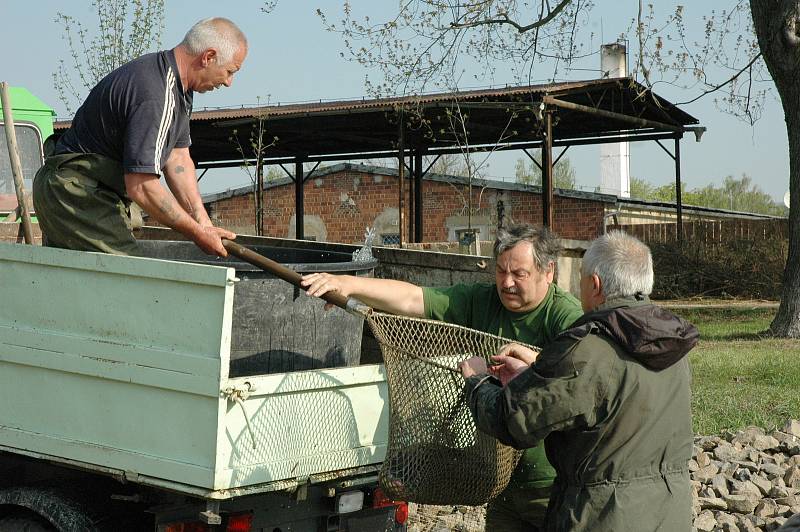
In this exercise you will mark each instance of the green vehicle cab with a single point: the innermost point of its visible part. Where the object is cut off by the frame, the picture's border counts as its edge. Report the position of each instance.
(33, 124)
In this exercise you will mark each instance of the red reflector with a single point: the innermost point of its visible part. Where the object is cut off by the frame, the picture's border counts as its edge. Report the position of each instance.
(380, 500)
(240, 523)
(401, 513)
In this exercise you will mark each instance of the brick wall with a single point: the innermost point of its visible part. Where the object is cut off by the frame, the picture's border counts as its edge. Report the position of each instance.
(11, 232)
(343, 204)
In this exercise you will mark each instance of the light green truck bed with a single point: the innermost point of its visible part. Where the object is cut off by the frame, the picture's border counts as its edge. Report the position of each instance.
(120, 365)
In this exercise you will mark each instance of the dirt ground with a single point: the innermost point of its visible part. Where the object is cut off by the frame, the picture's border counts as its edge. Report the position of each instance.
(428, 518)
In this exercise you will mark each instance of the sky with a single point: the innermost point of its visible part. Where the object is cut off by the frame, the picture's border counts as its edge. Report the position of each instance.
(292, 58)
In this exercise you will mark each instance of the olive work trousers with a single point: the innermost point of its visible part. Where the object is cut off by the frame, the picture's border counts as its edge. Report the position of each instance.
(76, 210)
(518, 509)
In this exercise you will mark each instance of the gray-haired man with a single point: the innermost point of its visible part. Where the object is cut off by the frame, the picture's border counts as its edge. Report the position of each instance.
(610, 398)
(133, 126)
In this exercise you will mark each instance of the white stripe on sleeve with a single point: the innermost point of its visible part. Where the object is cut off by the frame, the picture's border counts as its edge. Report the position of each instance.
(166, 120)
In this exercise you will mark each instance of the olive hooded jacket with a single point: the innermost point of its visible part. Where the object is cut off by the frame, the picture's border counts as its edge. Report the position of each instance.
(610, 397)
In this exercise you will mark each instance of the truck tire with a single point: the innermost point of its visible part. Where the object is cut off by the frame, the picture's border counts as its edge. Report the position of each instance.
(50, 509)
(24, 523)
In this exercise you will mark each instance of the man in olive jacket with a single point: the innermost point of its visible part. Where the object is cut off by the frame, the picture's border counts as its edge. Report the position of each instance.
(610, 397)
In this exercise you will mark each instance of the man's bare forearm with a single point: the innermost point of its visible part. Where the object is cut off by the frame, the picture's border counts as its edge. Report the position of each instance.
(388, 295)
(181, 179)
(176, 173)
(148, 193)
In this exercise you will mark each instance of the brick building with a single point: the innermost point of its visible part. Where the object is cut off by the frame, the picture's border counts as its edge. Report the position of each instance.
(342, 200)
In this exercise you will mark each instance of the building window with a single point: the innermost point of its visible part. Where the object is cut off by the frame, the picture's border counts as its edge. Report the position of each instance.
(29, 147)
(467, 236)
(389, 239)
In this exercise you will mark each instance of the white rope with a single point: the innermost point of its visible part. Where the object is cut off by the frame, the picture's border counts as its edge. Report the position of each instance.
(238, 396)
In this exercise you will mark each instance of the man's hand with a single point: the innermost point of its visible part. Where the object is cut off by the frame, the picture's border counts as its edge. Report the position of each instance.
(209, 239)
(510, 361)
(520, 352)
(318, 284)
(473, 366)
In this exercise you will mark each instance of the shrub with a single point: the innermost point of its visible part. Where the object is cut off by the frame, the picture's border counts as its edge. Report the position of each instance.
(739, 269)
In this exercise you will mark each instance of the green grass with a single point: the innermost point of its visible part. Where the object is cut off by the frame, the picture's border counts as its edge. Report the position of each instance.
(18, 220)
(740, 377)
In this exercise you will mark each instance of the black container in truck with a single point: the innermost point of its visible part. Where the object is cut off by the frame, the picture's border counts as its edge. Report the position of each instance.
(276, 327)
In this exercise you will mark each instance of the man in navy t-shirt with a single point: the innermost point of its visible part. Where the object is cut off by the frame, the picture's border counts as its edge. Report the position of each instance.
(134, 126)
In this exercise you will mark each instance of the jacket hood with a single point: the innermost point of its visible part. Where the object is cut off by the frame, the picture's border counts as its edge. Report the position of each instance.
(654, 336)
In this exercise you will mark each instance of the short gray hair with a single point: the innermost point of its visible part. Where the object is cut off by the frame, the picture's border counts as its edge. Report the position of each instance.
(218, 33)
(545, 243)
(623, 264)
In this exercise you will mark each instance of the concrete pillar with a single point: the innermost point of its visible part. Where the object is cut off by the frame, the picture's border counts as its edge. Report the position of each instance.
(615, 175)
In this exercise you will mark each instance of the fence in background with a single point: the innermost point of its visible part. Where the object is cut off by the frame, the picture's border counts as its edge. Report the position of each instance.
(709, 232)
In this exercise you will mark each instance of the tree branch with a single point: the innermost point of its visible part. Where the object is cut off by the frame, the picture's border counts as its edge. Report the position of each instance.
(718, 87)
(503, 19)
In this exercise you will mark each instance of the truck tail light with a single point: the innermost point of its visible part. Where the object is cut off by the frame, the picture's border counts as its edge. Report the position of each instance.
(380, 500)
(240, 522)
(234, 523)
(401, 513)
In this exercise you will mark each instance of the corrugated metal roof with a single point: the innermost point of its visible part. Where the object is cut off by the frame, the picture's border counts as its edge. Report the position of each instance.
(383, 104)
(510, 116)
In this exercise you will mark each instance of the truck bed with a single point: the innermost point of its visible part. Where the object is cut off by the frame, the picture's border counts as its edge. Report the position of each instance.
(121, 365)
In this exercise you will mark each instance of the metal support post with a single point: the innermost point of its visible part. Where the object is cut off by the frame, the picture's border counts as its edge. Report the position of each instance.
(401, 171)
(418, 207)
(412, 206)
(678, 188)
(259, 196)
(547, 171)
(299, 230)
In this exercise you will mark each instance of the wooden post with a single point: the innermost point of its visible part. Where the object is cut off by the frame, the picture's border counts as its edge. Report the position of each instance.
(16, 166)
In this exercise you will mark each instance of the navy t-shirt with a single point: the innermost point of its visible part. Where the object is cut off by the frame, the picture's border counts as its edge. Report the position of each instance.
(135, 115)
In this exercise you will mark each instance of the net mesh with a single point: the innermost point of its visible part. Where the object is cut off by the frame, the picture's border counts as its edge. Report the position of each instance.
(436, 454)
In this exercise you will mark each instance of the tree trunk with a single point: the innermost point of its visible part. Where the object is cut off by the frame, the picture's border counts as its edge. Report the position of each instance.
(777, 26)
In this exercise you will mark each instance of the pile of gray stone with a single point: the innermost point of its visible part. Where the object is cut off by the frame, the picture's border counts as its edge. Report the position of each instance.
(746, 481)
(429, 518)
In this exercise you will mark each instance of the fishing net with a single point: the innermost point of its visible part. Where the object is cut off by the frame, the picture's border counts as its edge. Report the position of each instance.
(436, 454)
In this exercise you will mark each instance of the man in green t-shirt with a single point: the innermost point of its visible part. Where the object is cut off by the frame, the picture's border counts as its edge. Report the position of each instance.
(523, 305)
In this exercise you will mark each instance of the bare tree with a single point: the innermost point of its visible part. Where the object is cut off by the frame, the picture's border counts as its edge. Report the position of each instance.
(448, 164)
(125, 30)
(531, 173)
(427, 44)
(256, 147)
(430, 44)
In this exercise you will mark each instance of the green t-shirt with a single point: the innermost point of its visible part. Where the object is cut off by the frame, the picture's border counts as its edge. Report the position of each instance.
(478, 307)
